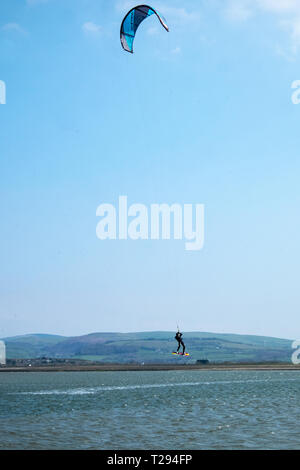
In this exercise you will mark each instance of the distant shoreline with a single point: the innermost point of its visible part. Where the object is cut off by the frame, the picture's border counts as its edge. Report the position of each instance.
(151, 367)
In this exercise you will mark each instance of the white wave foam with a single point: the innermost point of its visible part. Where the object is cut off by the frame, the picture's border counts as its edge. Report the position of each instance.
(94, 390)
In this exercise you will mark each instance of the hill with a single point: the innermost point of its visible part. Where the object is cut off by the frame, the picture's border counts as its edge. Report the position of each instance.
(150, 347)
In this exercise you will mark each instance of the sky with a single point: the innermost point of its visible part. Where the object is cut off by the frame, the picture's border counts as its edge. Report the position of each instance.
(200, 115)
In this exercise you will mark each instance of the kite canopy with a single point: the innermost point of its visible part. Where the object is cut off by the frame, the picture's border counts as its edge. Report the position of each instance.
(132, 21)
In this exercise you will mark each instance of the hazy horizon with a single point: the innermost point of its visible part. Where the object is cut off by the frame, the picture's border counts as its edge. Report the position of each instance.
(143, 331)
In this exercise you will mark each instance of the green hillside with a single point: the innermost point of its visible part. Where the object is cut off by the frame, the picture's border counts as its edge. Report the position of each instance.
(29, 346)
(150, 347)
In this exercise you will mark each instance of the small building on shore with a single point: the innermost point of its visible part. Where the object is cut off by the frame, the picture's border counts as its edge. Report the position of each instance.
(2, 353)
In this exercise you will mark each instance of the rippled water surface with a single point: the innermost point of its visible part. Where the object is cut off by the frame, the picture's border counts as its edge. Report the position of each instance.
(150, 410)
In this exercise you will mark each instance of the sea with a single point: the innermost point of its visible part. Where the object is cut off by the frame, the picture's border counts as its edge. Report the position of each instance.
(170, 410)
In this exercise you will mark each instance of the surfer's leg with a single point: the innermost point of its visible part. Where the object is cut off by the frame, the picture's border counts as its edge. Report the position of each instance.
(183, 347)
(178, 346)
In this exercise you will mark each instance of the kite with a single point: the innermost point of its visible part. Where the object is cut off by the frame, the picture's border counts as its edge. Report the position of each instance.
(132, 21)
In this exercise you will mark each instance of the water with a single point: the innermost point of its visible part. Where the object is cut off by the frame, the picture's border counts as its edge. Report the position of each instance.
(150, 410)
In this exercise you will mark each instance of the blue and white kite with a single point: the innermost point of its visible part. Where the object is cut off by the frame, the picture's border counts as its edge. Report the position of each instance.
(132, 21)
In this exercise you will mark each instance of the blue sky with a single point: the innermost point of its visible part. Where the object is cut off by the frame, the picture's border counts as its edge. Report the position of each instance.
(202, 114)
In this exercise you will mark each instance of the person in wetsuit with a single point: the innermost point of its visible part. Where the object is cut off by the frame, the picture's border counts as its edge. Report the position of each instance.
(178, 338)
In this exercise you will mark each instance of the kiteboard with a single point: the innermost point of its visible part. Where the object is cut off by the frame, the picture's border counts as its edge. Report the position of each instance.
(180, 353)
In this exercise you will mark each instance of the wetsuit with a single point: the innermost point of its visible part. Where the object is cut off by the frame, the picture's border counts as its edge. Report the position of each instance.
(180, 342)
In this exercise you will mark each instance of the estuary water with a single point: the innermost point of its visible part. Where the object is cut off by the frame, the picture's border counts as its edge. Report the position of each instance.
(150, 410)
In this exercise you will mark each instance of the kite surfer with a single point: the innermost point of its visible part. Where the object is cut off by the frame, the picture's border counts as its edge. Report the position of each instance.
(178, 338)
